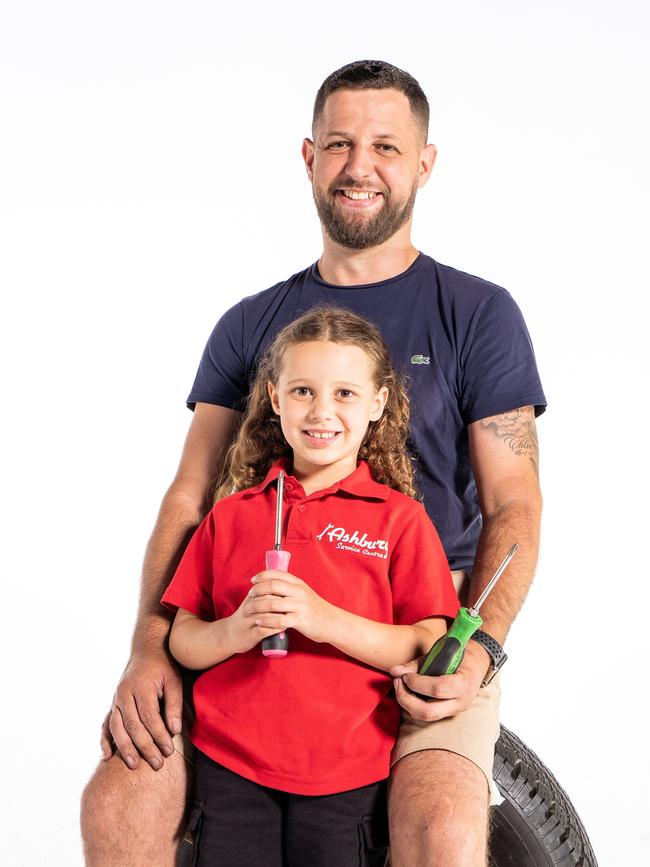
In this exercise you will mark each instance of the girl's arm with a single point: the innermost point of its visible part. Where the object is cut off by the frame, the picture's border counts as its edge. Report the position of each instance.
(279, 600)
(382, 645)
(199, 644)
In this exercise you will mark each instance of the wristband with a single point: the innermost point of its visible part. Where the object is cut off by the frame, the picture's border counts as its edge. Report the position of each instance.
(494, 650)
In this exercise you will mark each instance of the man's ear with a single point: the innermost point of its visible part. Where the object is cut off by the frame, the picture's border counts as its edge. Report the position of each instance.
(273, 394)
(378, 404)
(428, 156)
(308, 156)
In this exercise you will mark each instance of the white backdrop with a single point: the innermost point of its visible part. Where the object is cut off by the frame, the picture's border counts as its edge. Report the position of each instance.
(150, 177)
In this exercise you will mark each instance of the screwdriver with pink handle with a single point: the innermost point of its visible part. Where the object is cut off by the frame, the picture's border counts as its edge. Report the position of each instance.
(277, 645)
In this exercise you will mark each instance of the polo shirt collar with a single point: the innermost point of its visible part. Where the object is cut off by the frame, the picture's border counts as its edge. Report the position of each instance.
(359, 483)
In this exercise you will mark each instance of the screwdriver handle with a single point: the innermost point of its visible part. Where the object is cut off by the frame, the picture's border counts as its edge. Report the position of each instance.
(447, 653)
(277, 645)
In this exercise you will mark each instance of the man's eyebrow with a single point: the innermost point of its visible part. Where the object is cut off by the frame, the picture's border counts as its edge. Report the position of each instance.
(342, 134)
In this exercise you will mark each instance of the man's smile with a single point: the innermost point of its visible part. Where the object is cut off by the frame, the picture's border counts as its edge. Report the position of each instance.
(359, 194)
(358, 199)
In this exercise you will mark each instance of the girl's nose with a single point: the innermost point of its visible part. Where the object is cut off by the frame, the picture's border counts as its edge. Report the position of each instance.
(320, 409)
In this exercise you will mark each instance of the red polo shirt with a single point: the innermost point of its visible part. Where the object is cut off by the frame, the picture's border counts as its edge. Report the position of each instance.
(315, 722)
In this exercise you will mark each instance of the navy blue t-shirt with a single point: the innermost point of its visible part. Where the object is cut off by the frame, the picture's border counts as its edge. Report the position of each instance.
(462, 343)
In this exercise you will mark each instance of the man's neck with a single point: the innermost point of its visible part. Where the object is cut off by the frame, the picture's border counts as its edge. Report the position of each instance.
(345, 267)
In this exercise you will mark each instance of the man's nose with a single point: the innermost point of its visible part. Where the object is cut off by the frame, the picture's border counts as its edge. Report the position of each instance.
(360, 164)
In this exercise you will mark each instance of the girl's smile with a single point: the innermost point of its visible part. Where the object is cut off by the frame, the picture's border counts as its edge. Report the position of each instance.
(320, 439)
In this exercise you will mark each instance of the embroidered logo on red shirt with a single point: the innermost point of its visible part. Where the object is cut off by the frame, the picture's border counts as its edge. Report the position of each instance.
(354, 542)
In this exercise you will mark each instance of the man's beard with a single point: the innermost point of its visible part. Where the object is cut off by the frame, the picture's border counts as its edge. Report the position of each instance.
(355, 231)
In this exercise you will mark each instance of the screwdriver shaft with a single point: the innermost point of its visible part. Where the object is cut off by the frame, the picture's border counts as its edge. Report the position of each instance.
(511, 553)
(278, 512)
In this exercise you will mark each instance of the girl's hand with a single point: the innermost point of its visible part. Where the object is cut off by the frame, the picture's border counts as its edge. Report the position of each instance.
(281, 601)
(243, 630)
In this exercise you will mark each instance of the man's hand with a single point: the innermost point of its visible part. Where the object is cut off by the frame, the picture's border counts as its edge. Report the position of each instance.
(453, 693)
(134, 723)
(281, 601)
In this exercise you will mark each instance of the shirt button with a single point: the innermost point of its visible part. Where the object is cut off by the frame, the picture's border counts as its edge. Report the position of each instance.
(301, 508)
(289, 486)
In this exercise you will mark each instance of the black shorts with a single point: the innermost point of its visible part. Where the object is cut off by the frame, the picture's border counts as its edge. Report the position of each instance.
(238, 823)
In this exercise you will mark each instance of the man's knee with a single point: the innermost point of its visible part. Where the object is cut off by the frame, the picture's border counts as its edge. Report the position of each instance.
(120, 805)
(436, 774)
(438, 810)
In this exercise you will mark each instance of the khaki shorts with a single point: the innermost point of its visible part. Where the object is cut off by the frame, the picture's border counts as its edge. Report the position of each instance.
(472, 733)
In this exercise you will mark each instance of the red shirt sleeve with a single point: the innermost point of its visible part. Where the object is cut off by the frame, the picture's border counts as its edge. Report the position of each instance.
(419, 572)
(191, 586)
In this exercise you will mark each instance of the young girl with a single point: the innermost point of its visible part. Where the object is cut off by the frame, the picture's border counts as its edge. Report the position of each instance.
(293, 753)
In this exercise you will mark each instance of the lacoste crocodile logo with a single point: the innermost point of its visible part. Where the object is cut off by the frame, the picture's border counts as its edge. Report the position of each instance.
(420, 359)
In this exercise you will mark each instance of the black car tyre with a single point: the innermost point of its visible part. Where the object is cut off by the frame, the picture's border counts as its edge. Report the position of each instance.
(536, 825)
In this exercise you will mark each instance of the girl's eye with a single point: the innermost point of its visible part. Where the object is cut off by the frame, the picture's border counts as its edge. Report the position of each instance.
(302, 391)
(345, 392)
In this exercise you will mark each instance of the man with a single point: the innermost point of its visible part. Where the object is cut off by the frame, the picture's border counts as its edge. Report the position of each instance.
(475, 393)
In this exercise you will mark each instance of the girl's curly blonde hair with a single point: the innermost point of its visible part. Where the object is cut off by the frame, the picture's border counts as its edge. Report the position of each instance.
(260, 441)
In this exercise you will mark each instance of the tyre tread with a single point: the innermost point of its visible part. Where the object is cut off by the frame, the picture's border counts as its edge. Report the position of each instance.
(527, 784)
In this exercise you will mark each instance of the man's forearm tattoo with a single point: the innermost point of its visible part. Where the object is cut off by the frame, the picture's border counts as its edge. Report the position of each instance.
(517, 430)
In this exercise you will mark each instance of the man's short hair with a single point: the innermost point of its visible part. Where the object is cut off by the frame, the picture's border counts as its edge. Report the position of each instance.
(375, 74)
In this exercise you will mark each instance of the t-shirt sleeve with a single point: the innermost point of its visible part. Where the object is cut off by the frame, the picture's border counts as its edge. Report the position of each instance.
(222, 377)
(419, 572)
(191, 586)
(498, 367)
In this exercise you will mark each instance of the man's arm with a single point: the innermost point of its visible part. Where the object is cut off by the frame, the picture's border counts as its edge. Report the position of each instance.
(504, 455)
(134, 721)
(505, 460)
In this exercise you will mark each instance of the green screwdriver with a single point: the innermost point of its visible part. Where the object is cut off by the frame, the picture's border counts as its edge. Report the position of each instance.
(446, 654)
